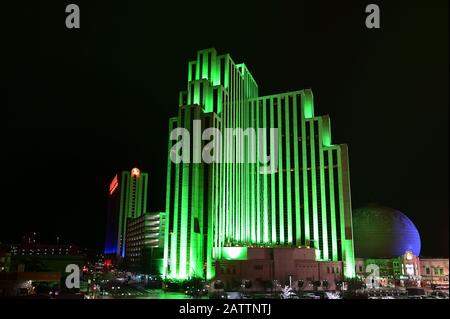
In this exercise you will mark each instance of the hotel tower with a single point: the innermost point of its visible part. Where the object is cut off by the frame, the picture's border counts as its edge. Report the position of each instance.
(300, 200)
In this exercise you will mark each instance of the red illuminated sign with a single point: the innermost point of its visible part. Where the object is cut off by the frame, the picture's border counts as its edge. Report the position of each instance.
(114, 184)
(107, 263)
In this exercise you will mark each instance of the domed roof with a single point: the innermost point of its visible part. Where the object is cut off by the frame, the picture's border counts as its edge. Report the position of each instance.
(383, 232)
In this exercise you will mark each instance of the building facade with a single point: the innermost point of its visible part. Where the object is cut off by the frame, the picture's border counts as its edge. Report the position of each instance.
(271, 268)
(144, 243)
(127, 199)
(300, 199)
(404, 270)
(434, 272)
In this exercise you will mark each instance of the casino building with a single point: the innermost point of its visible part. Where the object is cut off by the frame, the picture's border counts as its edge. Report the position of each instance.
(133, 234)
(300, 200)
(127, 198)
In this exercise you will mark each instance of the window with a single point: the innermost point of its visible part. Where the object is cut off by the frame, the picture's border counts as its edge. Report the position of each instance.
(436, 271)
(428, 271)
(360, 268)
(257, 267)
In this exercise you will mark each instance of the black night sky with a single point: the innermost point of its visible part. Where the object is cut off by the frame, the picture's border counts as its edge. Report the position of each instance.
(80, 105)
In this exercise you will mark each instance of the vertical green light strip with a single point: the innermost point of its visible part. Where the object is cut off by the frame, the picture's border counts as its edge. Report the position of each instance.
(235, 166)
(232, 150)
(194, 247)
(227, 166)
(280, 170)
(190, 75)
(297, 172)
(257, 175)
(248, 180)
(346, 221)
(239, 101)
(266, 169)
(253, 184)
(238, 155)
(314, 184)
(288, 171)
(308, 104)
(221, 194)
(238, 170)
(272, 175)
(323, 206)
(227, 156)
(205, 65)
(242, 106)
(305, 171)
(334, 246)
(211, 212)
(217, 198)
(174, 265)
(341, 204)
(184, 208)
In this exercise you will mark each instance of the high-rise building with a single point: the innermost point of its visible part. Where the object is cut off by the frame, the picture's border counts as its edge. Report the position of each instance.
(144, 243)
(302, 199)
(127, 199)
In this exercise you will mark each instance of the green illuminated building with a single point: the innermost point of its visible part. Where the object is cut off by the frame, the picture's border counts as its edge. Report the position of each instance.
(301, 200)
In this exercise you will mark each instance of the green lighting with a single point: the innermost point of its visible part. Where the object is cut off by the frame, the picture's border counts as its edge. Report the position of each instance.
(303, 199)
(234, 253)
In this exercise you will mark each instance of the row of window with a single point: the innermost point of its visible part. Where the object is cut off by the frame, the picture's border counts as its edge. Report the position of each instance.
(436, 271)
(333, 270)
(228, 271)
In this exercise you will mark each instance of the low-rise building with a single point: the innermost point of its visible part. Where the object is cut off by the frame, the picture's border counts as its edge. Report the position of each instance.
(261, 269)
(405, 270)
